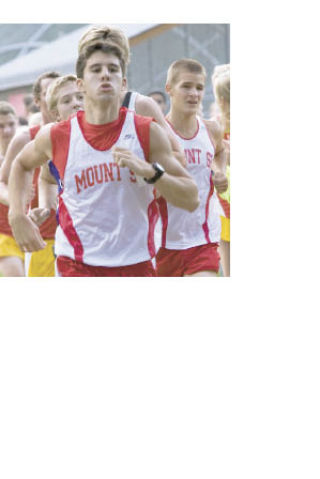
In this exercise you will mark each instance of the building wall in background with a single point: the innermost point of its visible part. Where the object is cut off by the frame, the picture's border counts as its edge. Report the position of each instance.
(17, 39)
(150, 59)
(154, 51)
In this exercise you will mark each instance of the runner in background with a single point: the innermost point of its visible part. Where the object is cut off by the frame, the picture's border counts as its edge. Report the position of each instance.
(160, 98)
(221, 87)
(190, 240)
(45, 265)
(11, 257)
(63, 100)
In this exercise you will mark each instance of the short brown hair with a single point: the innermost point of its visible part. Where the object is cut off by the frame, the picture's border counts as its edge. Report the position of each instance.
(36, 90)
(106, 34)
(103, 47)
(6, 108)
(54, 87)
(185, 64)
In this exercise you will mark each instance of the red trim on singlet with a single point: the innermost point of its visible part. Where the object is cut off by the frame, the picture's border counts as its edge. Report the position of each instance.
(49, 226)
(102, 137)
(69, 230)
(33, 131)
(5, 228)
(153, 215)
(205, 226)
(142, 125)
(183, 137)
(34, 203)
(4, 223)
(60, 139)
(163, 208)
(225, 206)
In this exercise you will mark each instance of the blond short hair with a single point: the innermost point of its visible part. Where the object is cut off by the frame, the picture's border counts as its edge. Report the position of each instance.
(106, 34)
(53, 89)
(221, 84)
(6, 108)
(187, 65)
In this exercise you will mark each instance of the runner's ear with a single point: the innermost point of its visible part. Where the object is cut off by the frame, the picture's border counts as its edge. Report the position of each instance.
(80, 84)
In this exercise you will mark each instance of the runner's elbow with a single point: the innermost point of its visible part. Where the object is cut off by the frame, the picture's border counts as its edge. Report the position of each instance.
(194, 200)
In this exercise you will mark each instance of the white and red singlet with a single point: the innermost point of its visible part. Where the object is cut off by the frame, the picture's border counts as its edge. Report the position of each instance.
(182, 229)
(106, 217)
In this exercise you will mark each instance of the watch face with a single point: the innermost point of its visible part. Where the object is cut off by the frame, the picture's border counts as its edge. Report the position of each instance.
(158, 167)
(159, 170)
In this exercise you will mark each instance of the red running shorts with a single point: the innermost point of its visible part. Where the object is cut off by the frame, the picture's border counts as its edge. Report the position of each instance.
(69, 267)
(180, 262)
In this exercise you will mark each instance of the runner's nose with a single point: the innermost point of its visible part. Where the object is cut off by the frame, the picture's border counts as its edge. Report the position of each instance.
(106, 73)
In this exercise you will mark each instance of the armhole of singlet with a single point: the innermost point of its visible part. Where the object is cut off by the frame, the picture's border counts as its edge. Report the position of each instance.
(142, 125)
(209, 134)
(60, 139)
(33, 131)
(126, 99)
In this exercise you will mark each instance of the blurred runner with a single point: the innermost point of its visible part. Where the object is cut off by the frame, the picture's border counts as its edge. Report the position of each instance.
(11, 257)
(48, 228)
(221, 86)
(160, 98)
(63, 99)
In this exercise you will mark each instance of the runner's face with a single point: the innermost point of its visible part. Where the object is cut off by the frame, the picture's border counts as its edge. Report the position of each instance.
(102, 77)
(47, 116)
(187, 93)
(8, 126)
(70, 100)
(159, 99)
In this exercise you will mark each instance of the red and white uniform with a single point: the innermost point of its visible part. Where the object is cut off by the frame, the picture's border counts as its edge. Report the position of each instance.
(49, 226)
(182, 229)
(106, 218)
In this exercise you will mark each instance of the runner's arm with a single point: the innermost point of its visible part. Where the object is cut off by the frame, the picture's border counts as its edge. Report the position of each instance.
(47, 193)
(34, 154)
(175, 185)
(15, 146)
(48, 189)
(219, 164)
(146, 106)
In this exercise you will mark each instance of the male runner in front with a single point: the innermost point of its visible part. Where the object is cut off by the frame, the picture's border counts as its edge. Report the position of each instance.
(42, 263)
(190, 240)
(106, 217)
(141, 104)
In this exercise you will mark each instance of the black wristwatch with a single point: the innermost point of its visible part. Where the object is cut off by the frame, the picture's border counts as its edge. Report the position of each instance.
(159, 172)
